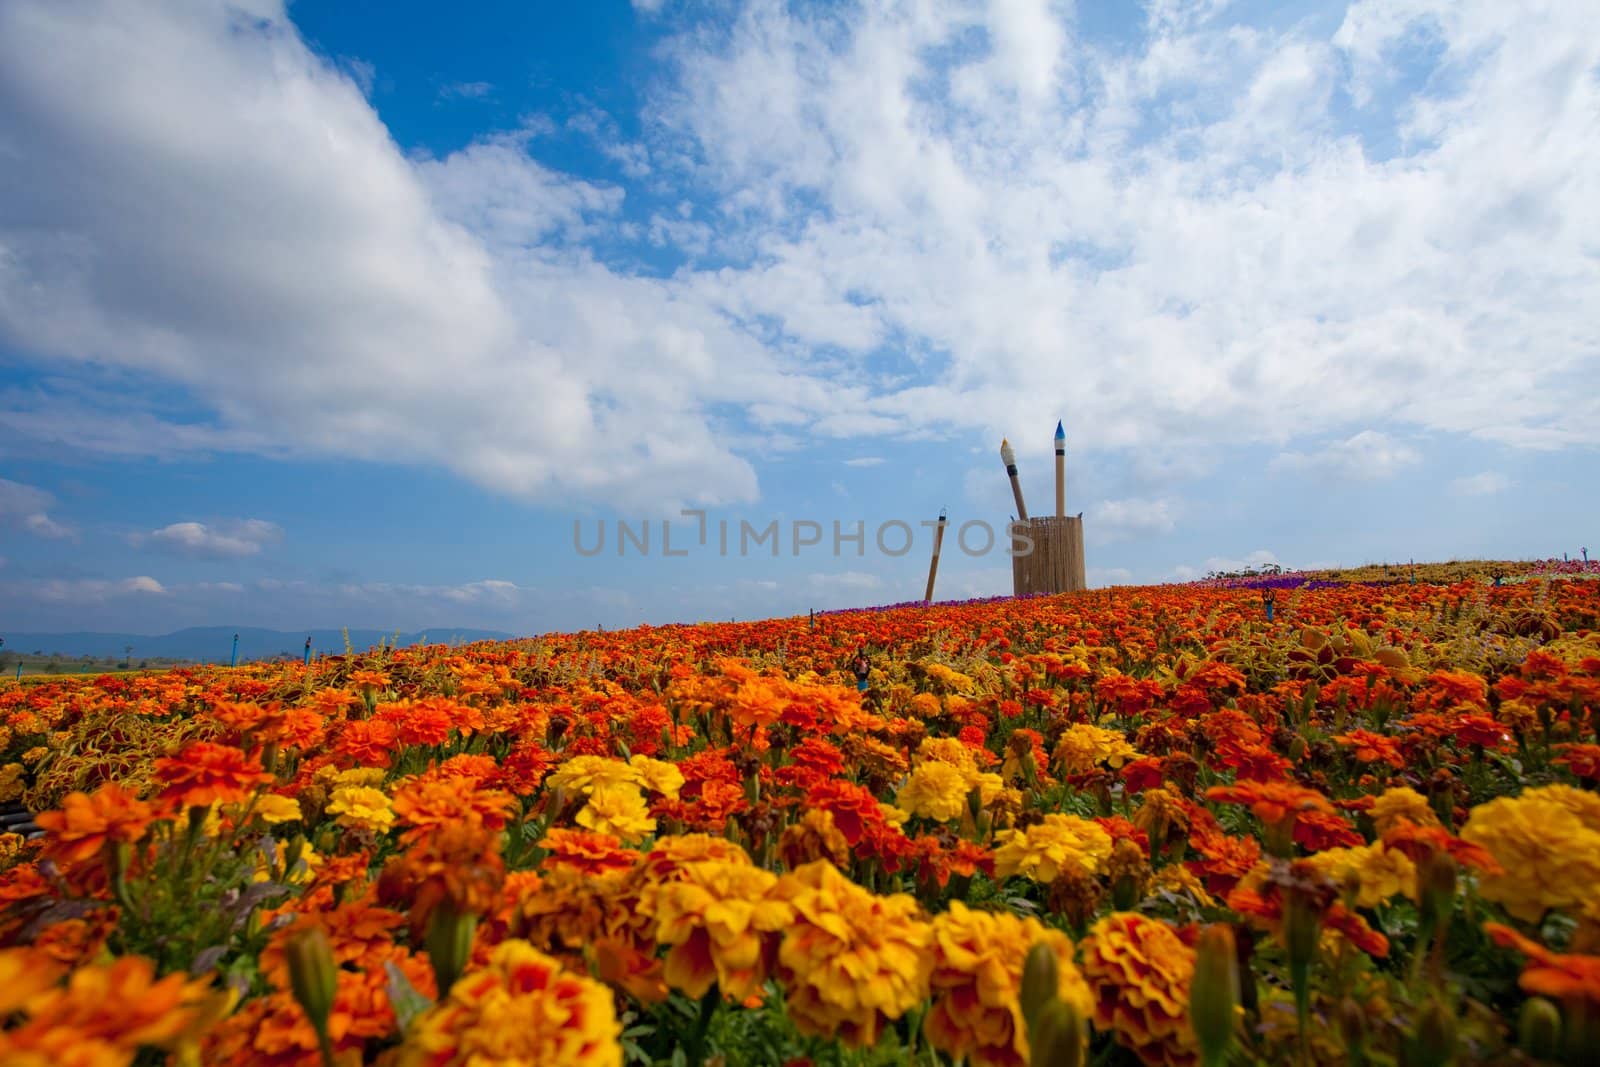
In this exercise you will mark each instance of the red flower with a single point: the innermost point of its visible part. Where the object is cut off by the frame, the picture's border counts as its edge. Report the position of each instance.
(1143, 773)
(1582, 760)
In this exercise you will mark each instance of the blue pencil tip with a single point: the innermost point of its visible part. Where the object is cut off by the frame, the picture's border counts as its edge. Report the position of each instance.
(1059, 431)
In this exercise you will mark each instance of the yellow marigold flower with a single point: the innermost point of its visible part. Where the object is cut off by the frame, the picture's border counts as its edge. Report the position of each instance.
(618, 810)
(35, 754)
(584, 774)
(892, 815)
(1043, 849)
(1140, 972)
(1548, 842)
(272, 809)
(523, 1008)
(1378, 872)
(304, 870)
(361, 808)
(1083, 747)
(951, 679)
(11, 783)
(990, 787)
(925, 706)
(368, 777)
(10, 848)
(934, 790)
(977, 982)
(1401, 803)
(850, 961)
(658, 776)
(951, 750)
(813, 837)
(718, 918)
(1178, 879)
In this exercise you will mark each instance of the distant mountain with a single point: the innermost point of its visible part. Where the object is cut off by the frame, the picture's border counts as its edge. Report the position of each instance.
(214, 644)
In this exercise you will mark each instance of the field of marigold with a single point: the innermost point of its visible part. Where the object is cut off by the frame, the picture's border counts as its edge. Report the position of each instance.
(1141, 826)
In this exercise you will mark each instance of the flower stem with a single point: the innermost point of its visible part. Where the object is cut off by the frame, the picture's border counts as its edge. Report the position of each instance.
(697, 1038)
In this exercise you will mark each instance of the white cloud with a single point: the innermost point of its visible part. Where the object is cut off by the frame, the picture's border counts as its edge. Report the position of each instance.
(1368, 456)
(1100, 577)
(1221, 565)
(26, 507)
(1485, 483)
(864, 461)
(1184, 240)
(466, 91)
(88, 591)
(845, 588)
(490, 589)
(363, 305)
(1122, 520)
(232, 539)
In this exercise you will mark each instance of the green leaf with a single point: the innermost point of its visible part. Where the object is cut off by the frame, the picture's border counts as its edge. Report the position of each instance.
(403, 996)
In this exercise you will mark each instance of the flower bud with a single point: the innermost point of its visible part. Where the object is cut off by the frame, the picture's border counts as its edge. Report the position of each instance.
(1539, 1029)
(312, 975)
(1433, 1044)
(975, 803)
(1302, 928)
(1297, 749)
(1214, 991)
(449, 943)
(1041, 981)
(1438, 878)
(1059, 1037)
(1353, 1028)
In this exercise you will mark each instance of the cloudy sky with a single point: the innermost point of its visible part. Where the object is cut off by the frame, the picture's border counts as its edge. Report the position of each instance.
(347, 313)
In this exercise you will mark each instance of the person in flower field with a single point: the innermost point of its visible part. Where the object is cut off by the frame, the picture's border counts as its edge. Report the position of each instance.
(862, 668)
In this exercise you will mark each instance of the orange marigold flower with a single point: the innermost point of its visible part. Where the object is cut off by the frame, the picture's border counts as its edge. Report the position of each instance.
(1419, 842)
(977, 982)
(1368, 747)
(1139, 971)
(579, 850)
(204, 773)
(86, 822)
(427, 803)
(120, 1005)
(1271, 802)
(1551, 974)
(418, 722)
(851, 961)
(1443, 690)
(524, 1007)
(366, 743)
(1317, 830)
(458, 862)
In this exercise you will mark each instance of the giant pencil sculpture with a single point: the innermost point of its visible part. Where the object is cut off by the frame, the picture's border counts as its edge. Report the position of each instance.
(933, 565)
(1061, 471)
(1009, 458)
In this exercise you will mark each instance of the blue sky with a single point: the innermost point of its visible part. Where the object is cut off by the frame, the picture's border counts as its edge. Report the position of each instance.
(346, 313)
